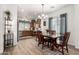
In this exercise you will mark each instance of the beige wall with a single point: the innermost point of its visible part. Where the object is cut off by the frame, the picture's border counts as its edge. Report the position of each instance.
(1, 30)
(76, 26)
(43, 28)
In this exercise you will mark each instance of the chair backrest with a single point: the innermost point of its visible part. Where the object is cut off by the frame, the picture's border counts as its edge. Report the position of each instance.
(51, 32)
(66, 38)
(39, 36)
(38, 32)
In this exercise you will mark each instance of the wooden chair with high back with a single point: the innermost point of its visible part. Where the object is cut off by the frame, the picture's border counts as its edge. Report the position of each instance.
(40, 39)
(63, 43)
(37, 34)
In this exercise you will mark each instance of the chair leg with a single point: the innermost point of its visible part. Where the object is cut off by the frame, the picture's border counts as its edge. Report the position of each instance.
(36, 38)
(38, 43)
(67, 49)
(52, 47)
(48, 44)
(42, 45)
(62, 50)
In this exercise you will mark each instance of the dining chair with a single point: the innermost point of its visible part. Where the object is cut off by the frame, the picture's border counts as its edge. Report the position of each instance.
(63, 43)
(42, 40)
(37, 33)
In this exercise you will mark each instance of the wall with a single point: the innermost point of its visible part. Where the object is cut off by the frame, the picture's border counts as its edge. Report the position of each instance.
(43, 28)
(1, 30)
(70, 10)
(76, 26)
(14, 22)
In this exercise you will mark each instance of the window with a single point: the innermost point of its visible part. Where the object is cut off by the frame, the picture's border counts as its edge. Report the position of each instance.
(59, 24)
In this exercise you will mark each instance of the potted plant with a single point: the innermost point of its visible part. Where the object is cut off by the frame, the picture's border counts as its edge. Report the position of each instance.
(8, 15)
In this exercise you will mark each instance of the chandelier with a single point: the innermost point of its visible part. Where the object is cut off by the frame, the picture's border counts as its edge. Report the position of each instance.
(43, 15)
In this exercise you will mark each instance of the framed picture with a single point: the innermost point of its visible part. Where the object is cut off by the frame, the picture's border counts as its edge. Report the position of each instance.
(39, 22)
(44, 23)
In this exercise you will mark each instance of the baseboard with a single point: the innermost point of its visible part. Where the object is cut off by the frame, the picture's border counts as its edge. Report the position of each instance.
(75, 48)
(71, 45)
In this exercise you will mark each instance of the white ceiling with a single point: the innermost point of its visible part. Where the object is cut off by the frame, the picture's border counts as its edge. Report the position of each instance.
(32, 10)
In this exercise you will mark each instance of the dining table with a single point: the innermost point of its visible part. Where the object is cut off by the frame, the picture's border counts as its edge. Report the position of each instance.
(52, 39)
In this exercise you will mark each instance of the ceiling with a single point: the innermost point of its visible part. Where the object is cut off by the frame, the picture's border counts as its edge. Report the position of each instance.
(33, 10)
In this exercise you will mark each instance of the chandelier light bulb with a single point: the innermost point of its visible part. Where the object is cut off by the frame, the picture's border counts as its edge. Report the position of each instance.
(39, 16)
(42, 15)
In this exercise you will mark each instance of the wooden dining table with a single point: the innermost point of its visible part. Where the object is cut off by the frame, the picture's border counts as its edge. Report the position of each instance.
(52, 39)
